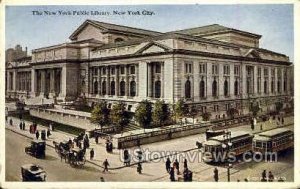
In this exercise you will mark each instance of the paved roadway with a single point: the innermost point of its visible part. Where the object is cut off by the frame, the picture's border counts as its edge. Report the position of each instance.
(152, 171)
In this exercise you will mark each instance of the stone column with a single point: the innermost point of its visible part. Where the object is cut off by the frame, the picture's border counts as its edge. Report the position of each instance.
(149, 79)
(244, 81)
(99, 81)
(43, 86)
(14, 80)
(209, 81)
(117, 81)
(126, 82)
(276, 80)
(52, 84)
(255, 92)
(270, 81)
(232, 80)
(33, 83)
(107, 81)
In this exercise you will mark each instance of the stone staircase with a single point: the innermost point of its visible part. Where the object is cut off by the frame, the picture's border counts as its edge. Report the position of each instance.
(131, 126)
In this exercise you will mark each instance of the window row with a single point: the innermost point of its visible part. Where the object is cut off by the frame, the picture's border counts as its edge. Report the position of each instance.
(112, 88)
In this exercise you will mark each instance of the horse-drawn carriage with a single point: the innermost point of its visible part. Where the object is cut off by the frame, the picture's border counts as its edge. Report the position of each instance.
(37, 149)
(77, 157)
(74, 156)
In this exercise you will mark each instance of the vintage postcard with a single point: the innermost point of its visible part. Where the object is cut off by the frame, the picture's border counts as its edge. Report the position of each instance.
(149, 95)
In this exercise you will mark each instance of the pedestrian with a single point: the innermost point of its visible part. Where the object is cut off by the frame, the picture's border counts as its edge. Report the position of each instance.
(176, 166)
(11, 122)
(105, 164)
(172, 175)
(92, 154)
(23, 125)
(282, 121)
(271, 176)
(37, 134)
(261, 127)
(168, 165)
(185, 166)
(139, 168)
(48, 133)
(216, 175)
(50, 127)
(97, 139)
(20, 125)
(264, 176)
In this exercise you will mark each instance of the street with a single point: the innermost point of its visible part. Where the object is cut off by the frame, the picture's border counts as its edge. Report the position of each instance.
(152, 171)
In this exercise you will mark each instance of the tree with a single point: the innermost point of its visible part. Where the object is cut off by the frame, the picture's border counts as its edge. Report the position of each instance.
(254, 109)
(160, 113)
(100, 114)
(143, 113)
(181, 109)
(206, 116)
(232, 112)
(119, 116)
(279, 106)
(193, 111)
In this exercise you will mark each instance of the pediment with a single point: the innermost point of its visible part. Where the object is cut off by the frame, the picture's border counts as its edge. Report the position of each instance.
(153, 47)
(252, 53)
(87, 28)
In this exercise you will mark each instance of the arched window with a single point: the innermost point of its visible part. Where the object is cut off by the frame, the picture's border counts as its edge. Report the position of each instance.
(96, 87)
(202, 89)
(118, 40)
(236, 88)
(272, 86)
(188, 89)
(284, 86)
(279, 86)
(112, 88)
(225, 88)
(265, 87)
(214, 88)
(157, 86)
(104, 88)
(122, 88)
(132, 88)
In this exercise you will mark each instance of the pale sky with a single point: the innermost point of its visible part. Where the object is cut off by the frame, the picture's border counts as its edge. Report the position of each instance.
(273, 22)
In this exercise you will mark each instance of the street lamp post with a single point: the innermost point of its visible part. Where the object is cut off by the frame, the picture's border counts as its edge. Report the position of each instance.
(226, 146)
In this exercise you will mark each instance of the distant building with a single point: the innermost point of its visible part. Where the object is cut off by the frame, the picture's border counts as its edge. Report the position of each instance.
(212, 67)
(13, 54)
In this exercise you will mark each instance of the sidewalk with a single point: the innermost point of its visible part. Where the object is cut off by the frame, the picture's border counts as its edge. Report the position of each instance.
(178, 145)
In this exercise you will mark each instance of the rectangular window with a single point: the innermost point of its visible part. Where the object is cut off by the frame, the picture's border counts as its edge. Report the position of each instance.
(104, 70)
(215, 69)
(273, 72)
(236, 70)
(188, 67)
(202, 68)
(95, 71)
(132, 69)
(227, 106)
(258, 72)
(112, 71)
(216, 108)
(157, 68)
(226, 70)
(266, 72)
(122, 70)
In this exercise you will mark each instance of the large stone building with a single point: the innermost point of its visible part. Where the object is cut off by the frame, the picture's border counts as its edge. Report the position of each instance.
(213, 66)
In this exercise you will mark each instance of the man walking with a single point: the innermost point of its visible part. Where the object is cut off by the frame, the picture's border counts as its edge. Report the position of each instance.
(185, 166)
(264, 176)
(105, 164)
(92, 154)
(216, 175)
(37, 134)
(168, 165)
(172, 175)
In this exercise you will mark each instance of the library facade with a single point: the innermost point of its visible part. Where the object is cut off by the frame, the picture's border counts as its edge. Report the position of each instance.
(213, 67)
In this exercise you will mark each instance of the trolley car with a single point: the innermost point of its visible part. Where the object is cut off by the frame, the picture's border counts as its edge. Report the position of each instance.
(273, 141)
(217, 147)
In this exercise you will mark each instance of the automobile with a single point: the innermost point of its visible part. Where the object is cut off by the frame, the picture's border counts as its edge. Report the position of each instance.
(37, 149)
(33, 172)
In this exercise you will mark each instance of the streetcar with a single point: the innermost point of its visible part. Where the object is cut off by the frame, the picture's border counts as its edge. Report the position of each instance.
(273, 141)
(37, 149)
(217, 148)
